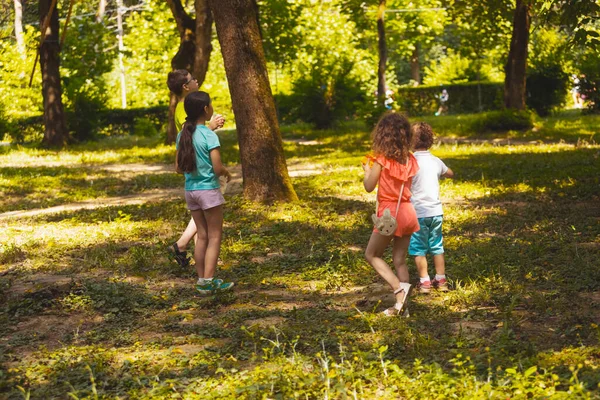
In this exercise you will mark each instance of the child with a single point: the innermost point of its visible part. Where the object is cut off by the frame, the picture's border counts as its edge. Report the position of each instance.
(426, 199)
(181, 83)
(393, 169)
(198, 157)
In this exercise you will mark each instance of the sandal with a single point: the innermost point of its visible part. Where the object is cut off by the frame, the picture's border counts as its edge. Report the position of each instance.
(399, 307)
(180, 256)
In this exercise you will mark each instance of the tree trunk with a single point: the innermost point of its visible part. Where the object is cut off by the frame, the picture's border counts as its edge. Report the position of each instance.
(101, 10)
(381, 86)
(264, 169)
(415, 66)
(204, 24)
(55, 127)
(516, 65)
(19, 28)
(194, 48)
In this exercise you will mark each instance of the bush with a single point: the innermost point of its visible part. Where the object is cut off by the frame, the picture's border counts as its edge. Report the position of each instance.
(590, 81)
(463, 98)
(546, 88)
(84, 120)
(321, 100)
(104, 123)
(505, 120)
(144, 127)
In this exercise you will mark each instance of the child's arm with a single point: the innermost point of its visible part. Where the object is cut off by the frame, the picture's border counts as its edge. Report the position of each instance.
(371, 176)
(220, 170)
(448, 174)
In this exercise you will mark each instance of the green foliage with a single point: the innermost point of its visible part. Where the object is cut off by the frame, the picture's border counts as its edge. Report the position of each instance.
(506, 120)
(590, 82)
(327, 86)
(16, 97)
(144, 127)
(281, 33)
(546, 88)
(463, 98)
(151, 40)
(454, 68)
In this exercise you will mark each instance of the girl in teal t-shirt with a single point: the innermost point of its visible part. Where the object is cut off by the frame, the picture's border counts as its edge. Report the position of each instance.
(199, 159)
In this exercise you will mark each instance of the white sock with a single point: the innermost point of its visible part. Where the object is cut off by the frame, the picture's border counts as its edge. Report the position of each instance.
(426, 279)
(203, 281)
(439, 277)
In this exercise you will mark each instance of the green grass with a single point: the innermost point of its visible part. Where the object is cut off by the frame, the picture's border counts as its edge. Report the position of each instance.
(92, 306)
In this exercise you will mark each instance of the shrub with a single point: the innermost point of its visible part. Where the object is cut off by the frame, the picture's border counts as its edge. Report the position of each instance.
(590, 81)
(84, 119)
(463, 98)
(505, 120)
(144, 127)
(546, 88)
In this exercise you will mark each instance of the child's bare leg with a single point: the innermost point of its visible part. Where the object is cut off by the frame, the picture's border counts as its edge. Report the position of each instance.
(399, 254)
(214, 222)
(421, 262)
(440, 264)
(188, 234)
(373, 254)
(201, 242)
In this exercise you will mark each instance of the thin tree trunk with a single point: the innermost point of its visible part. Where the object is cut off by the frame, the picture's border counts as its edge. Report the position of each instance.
(264, 169)
(194, 48)
(204, 23)
(415, 66)
(55, 127)
(381, 86)
(101, 11)
(19, 28)
(516, 65)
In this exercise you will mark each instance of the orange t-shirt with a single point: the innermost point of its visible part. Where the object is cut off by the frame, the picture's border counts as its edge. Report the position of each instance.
(393, 174)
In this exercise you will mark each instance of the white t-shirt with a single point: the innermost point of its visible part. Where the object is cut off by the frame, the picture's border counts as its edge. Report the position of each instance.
(426, 186)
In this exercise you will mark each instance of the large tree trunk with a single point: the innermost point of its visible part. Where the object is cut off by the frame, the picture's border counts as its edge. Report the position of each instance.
(415, 66)
(516, 66)
(381, 86)
(19, 28)
(55, 127)
(264, 169)
(194, 48)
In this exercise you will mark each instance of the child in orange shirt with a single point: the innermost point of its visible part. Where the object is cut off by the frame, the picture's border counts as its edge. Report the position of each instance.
(393, 168)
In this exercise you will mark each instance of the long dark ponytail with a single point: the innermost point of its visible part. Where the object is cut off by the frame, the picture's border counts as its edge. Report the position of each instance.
(194, 105)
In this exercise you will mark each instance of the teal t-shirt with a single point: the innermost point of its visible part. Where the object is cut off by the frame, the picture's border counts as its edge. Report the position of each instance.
(204, 178)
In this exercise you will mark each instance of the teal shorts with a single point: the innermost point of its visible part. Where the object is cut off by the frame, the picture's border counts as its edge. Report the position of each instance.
(429, 239)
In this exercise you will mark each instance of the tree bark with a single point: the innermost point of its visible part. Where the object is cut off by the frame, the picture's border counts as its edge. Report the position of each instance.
(55, 127)
(194, 48)
(415, 66)
(516, 65)
(264, 169)
(381, 86)
(19, 28)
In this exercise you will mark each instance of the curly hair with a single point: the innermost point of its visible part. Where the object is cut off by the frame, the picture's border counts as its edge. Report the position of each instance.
(392, 137)
(423, 135)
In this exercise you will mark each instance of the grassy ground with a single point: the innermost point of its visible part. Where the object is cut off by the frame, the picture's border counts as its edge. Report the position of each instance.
(91, 306)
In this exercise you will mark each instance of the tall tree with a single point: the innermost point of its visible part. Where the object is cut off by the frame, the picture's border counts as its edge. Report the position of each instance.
(264, 169)
(516, 65)
(19, 27)
(194, 48)
(382, 47)
(55, 127)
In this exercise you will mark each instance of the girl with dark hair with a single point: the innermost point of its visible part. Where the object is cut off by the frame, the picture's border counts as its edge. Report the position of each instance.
(391, 167)
(199, 159)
